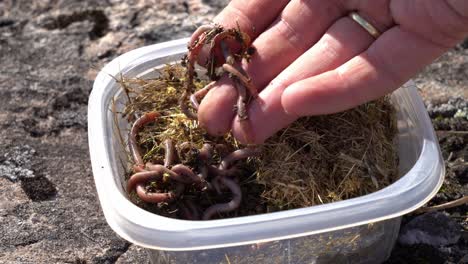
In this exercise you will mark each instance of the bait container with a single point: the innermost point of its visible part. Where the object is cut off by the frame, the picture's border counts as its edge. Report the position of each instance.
(358, 230)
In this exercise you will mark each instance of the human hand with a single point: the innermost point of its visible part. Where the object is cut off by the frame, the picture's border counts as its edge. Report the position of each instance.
(312, 58)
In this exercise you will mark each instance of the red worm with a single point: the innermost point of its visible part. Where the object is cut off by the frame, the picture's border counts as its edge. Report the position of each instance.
(225, 207)
(156, 172)
(153, 197)
(170, 153)
(231, 34)
(173, 175)
(143, 177)
(185, 174)
(239, 73)
(192, 56)
(198, 32)
(230, 172)
(222, 150)
(206, 153)
(205, 156)
(241, 101)
(138, 181)
(238, 155)
(132, 138)
(189, 210)
(246, 81)
(194, 98)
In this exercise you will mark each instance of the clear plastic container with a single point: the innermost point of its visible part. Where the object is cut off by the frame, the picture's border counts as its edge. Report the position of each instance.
(358, 230)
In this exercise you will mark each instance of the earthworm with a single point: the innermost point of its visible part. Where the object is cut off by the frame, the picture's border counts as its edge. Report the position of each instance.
(240, 74)
(237, 155)
(241, 37)
(198, 32)
(138, 180)
(229, 172)
(189, 210)
(200, 94)
(192, 56)
(132, 139)
(206, 153)
(151, 197)
(184, 108)
(246, 128)
(225, 207)
(216, 185)
(219, 173)
(204, 171)
(170, 153)
(185, 174)
(246, 81)
(241, 101)
(143, 177)
(177, 173)
(222, 150)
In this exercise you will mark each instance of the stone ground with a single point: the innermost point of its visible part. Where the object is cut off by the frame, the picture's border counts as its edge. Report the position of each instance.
(50, 52)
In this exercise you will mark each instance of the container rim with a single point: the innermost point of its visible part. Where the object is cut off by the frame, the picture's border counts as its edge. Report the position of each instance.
(149, 230)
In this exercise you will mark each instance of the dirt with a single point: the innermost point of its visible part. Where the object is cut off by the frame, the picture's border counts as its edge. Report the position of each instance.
(51, 51)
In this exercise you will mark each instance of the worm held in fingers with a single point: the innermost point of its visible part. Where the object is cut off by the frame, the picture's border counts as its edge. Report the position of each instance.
(241, 101)
(194, 98)
(246, 81)
(240, 37)
(203, 29)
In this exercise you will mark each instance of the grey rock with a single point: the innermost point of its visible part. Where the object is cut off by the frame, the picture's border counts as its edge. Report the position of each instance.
(15, 163)
(435, 229)
(50, 53)
(134, 254)
(454, 107)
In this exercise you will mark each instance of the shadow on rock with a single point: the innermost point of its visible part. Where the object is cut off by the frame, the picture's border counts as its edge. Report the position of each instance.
(38, 188)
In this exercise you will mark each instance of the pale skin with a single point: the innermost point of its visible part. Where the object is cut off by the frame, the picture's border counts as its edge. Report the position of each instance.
(313, 59)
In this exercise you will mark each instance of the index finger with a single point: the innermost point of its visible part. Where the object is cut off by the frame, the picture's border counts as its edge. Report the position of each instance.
(252, 16)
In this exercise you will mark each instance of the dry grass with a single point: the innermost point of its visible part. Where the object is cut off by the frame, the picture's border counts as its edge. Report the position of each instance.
(329, 158)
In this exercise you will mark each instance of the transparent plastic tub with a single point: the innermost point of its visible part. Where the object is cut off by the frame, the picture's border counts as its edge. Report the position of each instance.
(358, 230)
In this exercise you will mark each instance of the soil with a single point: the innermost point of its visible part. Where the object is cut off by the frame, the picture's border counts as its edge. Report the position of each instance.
(51, 51)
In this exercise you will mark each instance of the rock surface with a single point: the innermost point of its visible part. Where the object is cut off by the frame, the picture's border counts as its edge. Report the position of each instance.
(50, 52)
(435, 229)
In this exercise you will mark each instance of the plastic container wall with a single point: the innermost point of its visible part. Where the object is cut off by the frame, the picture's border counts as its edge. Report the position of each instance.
(369, 244)
(358, 230)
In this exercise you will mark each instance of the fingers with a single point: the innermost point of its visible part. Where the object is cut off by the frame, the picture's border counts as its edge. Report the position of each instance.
(440, 22)
(298, 27)
(343, 40)
(388, 63)
(252, 16)
(215, 113)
